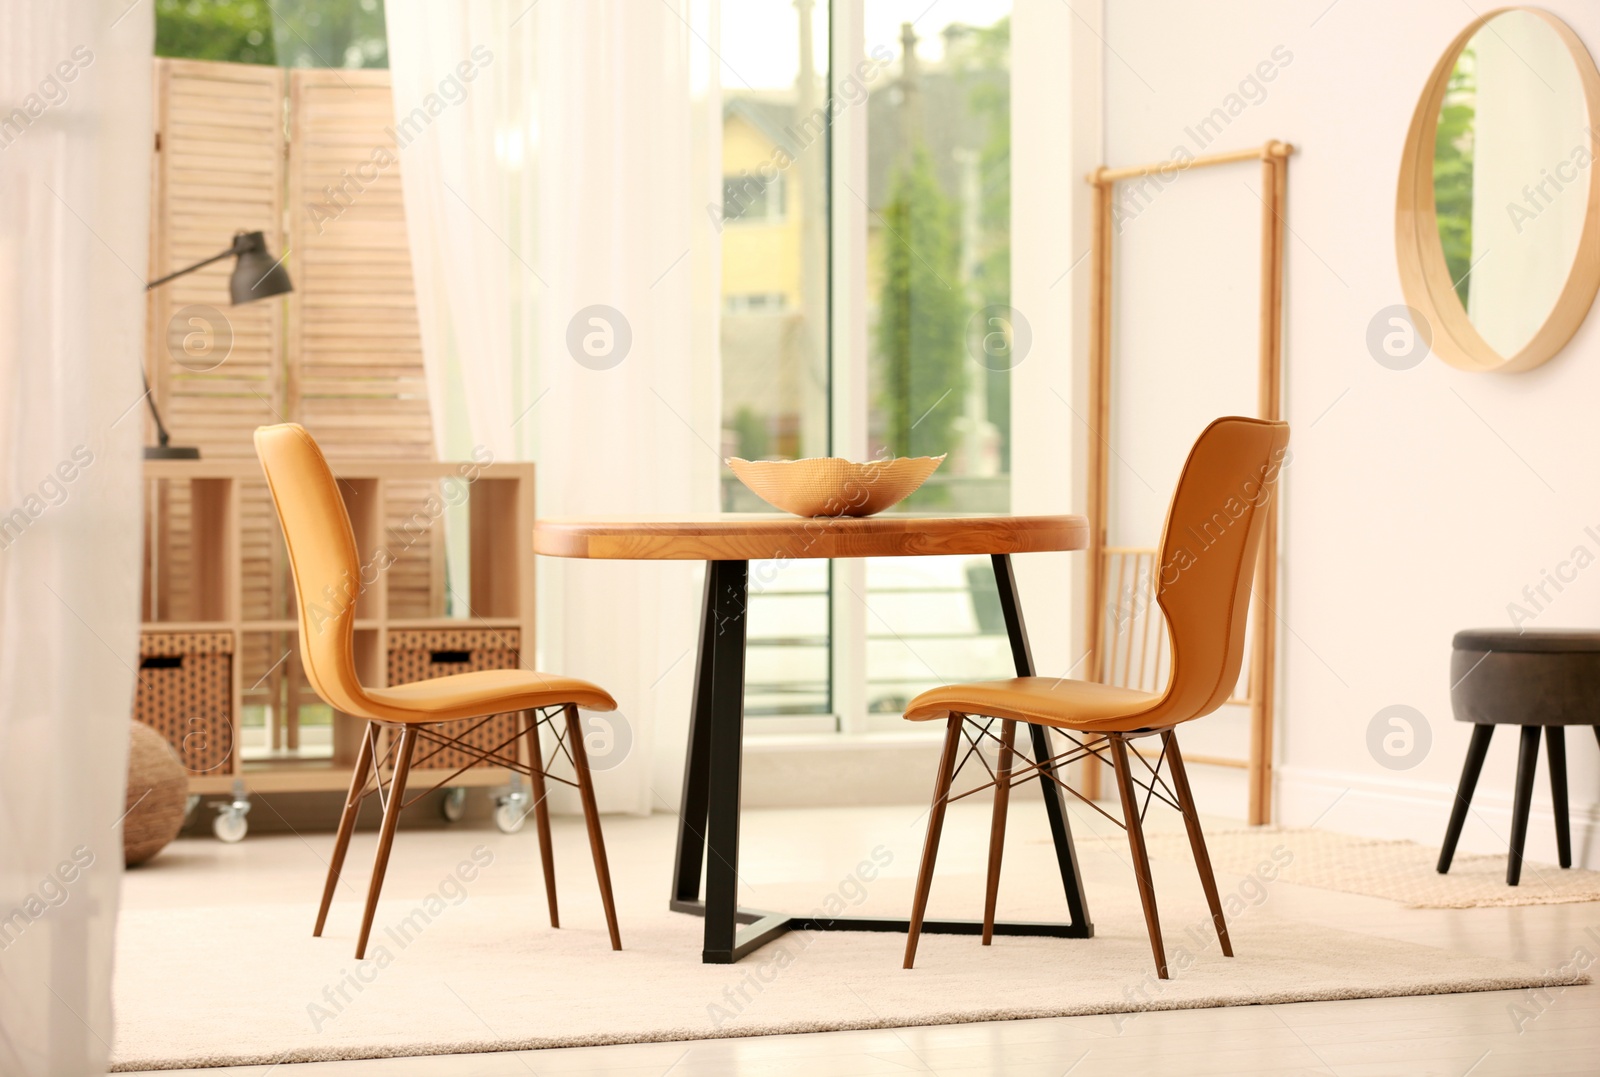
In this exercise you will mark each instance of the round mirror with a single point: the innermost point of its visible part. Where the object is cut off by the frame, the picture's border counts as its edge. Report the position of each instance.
(1498, 215)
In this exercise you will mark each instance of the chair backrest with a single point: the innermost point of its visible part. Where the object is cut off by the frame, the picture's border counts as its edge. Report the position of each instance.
(1208, 558)
(322, 553)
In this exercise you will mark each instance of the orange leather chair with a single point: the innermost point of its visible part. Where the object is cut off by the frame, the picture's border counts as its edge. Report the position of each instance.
(327, 574)
(1208, 557)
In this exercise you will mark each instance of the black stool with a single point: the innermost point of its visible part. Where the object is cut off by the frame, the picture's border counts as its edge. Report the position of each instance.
(1537, 680)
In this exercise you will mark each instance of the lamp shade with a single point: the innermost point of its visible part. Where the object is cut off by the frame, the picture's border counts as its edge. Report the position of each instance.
(257, 274)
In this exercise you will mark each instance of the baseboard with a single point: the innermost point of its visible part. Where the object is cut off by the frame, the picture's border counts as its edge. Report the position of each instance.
(1402, 808)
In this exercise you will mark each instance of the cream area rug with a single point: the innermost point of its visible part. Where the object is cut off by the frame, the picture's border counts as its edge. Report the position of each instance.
(216, 965)
(1400, 871)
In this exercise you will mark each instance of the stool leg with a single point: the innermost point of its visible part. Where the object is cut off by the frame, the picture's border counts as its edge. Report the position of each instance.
(1555, 745)
(1477, 750)
(1527, 760)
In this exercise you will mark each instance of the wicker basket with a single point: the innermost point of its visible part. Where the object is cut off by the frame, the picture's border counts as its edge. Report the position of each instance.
(185, 693)
(423, 654)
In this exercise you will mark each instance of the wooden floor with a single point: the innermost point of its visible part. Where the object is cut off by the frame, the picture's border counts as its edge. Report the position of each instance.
(1504, 1033)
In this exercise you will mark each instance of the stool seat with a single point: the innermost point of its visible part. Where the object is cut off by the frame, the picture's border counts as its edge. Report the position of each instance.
(1501, 677)
(1541, 681)
(1543, 641)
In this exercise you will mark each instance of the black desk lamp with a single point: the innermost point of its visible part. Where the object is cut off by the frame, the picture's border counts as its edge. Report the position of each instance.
(256, 275)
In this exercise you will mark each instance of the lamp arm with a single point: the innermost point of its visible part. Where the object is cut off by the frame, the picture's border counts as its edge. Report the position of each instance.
(198, 265)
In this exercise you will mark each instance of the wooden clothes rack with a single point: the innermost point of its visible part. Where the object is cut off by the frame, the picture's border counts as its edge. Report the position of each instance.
(1107, 654)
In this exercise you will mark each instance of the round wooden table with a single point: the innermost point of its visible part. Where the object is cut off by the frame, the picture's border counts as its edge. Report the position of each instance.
(709, 819)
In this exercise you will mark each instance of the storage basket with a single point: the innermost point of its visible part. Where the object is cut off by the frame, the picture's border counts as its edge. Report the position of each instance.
(185, 693)
(423, 654)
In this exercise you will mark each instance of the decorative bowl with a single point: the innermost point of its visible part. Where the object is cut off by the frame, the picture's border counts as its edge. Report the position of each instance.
(830, 486)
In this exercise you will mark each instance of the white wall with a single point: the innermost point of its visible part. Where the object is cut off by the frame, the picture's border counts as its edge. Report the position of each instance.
(1419, 501)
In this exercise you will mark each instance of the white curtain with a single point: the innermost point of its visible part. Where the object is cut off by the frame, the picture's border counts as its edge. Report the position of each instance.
(566, 275)
(75, 130)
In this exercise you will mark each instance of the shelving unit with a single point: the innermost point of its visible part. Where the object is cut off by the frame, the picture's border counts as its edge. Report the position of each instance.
(198, 579)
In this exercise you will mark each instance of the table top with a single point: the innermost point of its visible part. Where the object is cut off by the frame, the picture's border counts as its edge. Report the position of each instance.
(757, 536)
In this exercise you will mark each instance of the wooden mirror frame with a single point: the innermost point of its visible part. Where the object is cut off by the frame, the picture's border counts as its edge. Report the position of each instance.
(1424, 276)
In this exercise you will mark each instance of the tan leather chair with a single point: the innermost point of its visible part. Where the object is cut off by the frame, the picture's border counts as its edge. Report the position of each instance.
(327, 574)
(1208, 558)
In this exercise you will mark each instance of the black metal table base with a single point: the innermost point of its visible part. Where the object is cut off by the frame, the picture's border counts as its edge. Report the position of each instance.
(708, 822)
(760, 926)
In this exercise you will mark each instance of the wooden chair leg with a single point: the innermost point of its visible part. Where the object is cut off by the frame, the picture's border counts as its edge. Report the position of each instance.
(347, 824)
(541, 812)
(997, 826)
(591, 817)
(1477, 751)
(391, 819)
(930, 845)
(1555, 743)
(1141, 861)
(1197, 838)
(1527, 763)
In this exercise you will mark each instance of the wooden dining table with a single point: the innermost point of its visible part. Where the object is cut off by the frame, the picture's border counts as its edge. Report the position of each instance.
(708, 823)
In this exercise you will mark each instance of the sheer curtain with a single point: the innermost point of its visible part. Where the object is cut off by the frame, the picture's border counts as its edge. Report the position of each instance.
(566, 276)
(74, 216)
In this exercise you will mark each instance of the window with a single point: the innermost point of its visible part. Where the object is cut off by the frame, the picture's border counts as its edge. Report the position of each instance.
(755, 302)
(748, 199)
(934, 101)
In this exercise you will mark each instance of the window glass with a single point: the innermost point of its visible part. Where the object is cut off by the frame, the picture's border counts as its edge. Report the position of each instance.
(774, 234)
(290, 33)
(940, 329)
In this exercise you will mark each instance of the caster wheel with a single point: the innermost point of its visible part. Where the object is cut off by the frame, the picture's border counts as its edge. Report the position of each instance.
(454, 804)
(509, 817)
(230, 825)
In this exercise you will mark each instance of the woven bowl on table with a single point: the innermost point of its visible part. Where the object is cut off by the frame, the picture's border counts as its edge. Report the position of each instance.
(830, 486)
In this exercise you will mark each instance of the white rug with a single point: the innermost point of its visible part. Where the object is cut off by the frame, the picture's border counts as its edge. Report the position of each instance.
(235, 984)
(1400, 871)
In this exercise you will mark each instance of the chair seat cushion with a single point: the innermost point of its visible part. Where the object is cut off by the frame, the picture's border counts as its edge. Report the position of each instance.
(485, 692)
(1042, 700)
(1547, 641)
